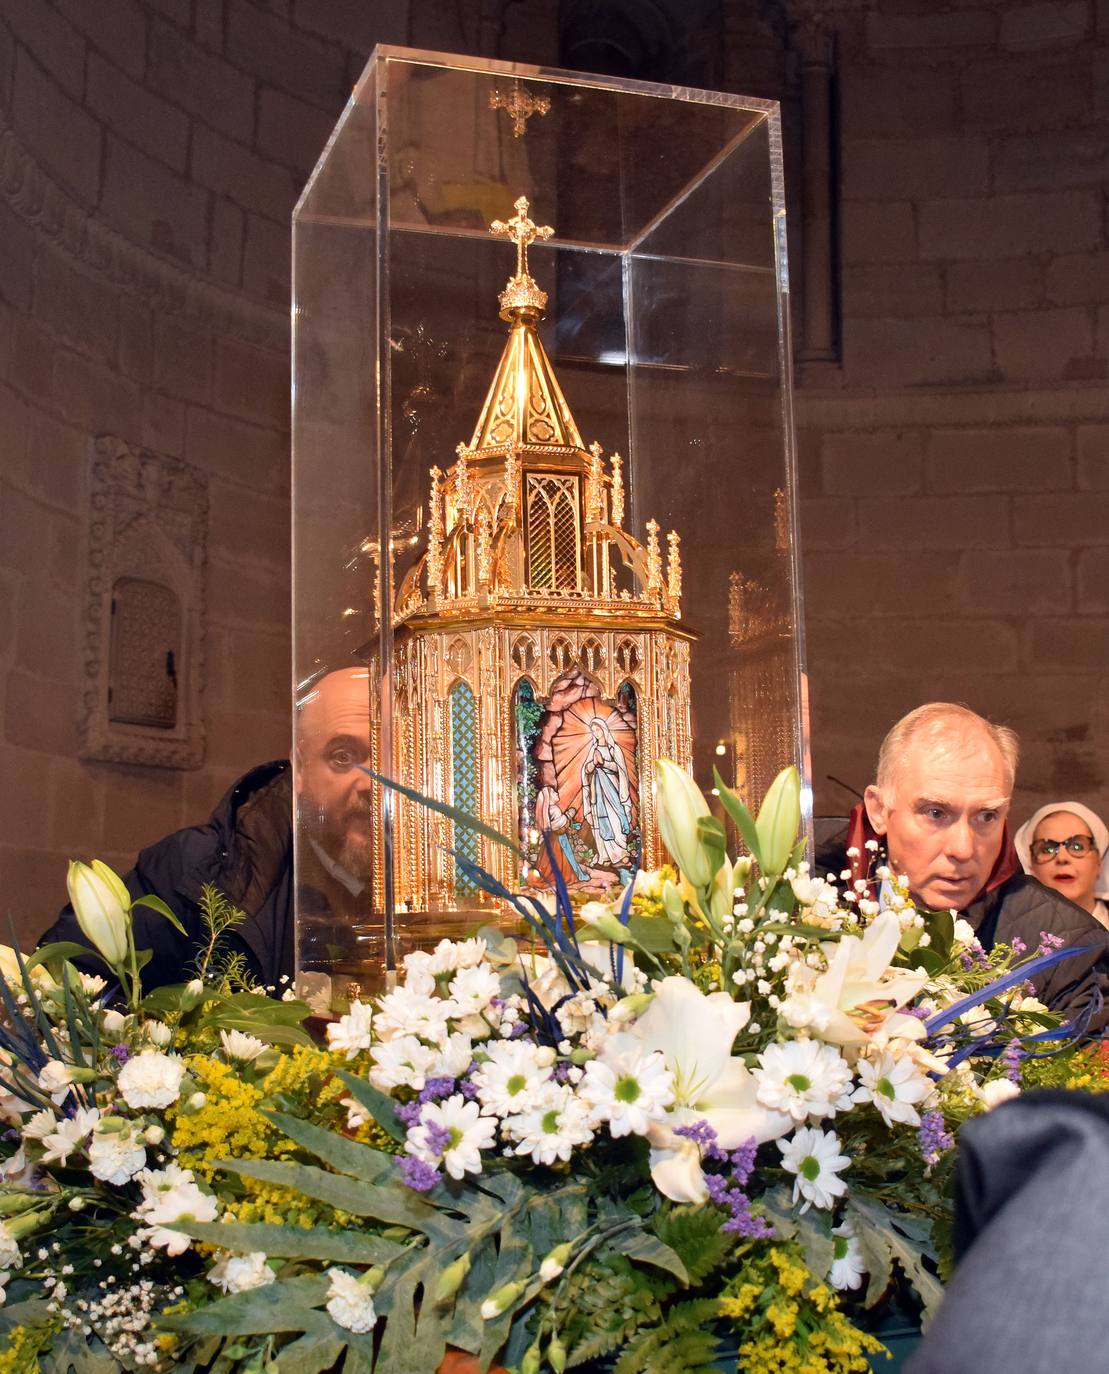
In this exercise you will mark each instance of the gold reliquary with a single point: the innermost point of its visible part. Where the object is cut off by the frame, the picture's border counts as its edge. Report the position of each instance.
(540, 660)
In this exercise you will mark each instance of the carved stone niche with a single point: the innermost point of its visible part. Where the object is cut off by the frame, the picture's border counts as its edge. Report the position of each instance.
(144, 614)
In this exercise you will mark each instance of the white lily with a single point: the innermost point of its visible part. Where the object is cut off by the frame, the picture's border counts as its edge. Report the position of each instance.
(859, 994)
(694, 1033)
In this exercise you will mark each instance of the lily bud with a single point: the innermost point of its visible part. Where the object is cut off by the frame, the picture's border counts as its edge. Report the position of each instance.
(680, 805)
(191, 996)
(778, 821)
(556, 1355)
(500, 1301)
(532, 1362)
(452, 1278)
(102, 905)
(555, 1262)
(611, 927)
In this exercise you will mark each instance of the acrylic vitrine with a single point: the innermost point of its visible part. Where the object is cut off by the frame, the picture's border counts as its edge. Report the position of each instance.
(543, 488)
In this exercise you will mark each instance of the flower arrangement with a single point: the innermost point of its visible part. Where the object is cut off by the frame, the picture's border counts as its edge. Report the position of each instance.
(706, 1124)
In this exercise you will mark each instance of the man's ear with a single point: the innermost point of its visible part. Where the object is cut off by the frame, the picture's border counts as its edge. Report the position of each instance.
(876, 809)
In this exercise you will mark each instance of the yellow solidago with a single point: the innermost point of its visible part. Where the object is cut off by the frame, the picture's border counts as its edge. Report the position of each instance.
(25, 1344)
(228, 1126)
(788, 1322)
(307, 1079)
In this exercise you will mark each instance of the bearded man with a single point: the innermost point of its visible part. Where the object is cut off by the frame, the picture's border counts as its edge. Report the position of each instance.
(245, 848)
(939, 807)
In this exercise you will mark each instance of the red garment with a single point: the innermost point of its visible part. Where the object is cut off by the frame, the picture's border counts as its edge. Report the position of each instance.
(859, 830)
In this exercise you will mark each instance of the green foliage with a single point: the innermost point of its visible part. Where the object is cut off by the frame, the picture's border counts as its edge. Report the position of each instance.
(225, 969)
(694, 1234)
(683, 1344)
(604, 1304)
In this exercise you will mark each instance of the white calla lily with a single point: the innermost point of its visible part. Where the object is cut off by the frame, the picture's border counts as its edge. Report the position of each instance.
(694, 1033)
(859, 994)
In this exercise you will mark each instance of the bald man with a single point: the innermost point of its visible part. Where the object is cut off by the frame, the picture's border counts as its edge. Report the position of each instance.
(245, 848)
(939, 808)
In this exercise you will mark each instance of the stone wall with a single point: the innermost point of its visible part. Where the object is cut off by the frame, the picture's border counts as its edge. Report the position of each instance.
(955, 470)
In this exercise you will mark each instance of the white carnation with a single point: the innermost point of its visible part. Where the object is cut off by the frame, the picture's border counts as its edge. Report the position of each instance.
(151, 1079)
(350, 1304)
(115, 1156)
(237, 1273)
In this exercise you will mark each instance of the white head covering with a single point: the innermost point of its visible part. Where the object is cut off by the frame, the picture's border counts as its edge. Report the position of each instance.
(1023, 839)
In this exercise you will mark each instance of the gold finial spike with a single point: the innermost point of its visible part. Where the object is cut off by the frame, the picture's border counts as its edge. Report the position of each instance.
(674, 567)
(654, 561)
(519, 105)
(617, 513)
(484, 547)
(463, 496)
(522, 231)
(512, 476)
(781, 522)
(435, 536)
(594, 487)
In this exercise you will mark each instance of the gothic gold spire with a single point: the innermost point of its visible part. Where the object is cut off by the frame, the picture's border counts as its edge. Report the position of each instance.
(524, 404)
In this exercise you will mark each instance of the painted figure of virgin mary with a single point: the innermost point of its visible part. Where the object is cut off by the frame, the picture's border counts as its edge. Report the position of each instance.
(606, 795)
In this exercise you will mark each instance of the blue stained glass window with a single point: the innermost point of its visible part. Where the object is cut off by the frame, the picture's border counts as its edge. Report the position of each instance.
(464, 789)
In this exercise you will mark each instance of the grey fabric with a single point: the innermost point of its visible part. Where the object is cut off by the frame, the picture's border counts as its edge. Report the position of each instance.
(1028, 1295)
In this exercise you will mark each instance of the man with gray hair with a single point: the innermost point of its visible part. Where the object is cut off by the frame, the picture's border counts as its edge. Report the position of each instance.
(939, 808)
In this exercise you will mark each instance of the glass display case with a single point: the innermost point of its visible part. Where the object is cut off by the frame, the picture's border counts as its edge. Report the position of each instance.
(543, 489)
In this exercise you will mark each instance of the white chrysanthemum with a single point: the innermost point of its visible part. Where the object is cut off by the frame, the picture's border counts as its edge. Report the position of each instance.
(350, 1304)
(238, 1273)
(455, 1132)
(406, 1011)
(351, 1033)
(70, 1135)
(629, 1088)
(848, 1265)
(454, 1058)
(240, 1046)
(92, 985)
(404, 1061)
(170, 1197)
(10, 1256)
(895, 1086)
(472, 989)
(557, 1121)
(116, 1156)
(508, 1080)
(151, 1079)
(803, 1078)
(813, 1157)
(158, 1033)
(39, 1125)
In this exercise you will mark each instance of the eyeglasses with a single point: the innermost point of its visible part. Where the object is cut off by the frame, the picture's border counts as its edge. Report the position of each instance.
(1078, 845)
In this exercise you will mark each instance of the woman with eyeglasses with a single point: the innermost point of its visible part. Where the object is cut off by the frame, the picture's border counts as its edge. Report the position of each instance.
(1066, 846)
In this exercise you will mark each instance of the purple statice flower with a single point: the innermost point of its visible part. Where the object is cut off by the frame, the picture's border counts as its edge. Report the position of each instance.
(561, 1072)
(435, 1089)
(933, 1137)
(438, 1137)
(702, 1135)
(1049, 942)
(1011, 1056)
(743, 1160)
(408, 1114)
(518, 1029)
(417, 1174)
(726, 1190)
(921, 1013)
(121, 1052)
(468, 1088)
(1017, 945)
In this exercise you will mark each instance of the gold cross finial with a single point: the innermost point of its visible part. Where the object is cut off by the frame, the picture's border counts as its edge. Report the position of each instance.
(519, 105)
(522, 231)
